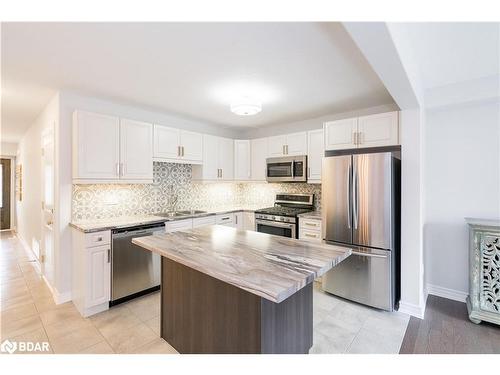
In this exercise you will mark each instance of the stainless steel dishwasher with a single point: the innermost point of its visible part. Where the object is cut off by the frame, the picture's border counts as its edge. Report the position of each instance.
(134, 271)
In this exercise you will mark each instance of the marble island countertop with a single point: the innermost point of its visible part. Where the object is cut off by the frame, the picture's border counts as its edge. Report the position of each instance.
(88, 226)
(269, 266)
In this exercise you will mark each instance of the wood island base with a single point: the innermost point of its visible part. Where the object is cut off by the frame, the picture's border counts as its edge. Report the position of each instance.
(201, 314)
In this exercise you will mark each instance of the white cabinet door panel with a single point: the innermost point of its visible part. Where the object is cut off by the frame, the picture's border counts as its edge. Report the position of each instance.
(96, 146)
(277, 145)
(192, 145)
(136, 156)
(226, 159)
(166, 142)
(340, 134)
(210, 157)
(241, 160)
(249, 220)
(99, 271)
(296, 143)
(378, 130)
(178, 225)
(315, 153)
(259, 152)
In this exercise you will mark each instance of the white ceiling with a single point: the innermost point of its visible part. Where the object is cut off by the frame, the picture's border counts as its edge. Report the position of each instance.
(455, 52)
(298, 70)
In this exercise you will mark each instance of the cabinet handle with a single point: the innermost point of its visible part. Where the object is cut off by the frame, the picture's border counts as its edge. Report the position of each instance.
(99, 239)
(236, 219)
(221, 173)
(225, 218)
(178, 150)
(287, 149)
(308, 171)
(109, 255)
(117, 167)
(310, 235)
(310, 224)
(182, 148)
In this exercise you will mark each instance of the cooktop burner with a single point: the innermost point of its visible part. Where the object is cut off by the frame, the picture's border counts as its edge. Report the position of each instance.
(283, 210)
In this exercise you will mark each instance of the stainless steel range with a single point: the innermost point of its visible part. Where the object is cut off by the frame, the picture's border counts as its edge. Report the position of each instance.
(281, 219)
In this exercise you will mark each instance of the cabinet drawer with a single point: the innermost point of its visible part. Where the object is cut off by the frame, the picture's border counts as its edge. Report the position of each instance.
(309, 235)
(224, 219)
(177, 225)
(202, 221)
(98, 238)
(310, 224)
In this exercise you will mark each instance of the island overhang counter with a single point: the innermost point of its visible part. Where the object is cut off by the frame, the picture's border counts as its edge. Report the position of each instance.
(225, 290)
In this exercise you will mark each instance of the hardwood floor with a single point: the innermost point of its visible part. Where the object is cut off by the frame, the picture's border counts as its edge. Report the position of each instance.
(447, 329)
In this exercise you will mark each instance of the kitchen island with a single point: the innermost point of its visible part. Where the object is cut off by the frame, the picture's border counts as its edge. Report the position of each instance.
(225, 290)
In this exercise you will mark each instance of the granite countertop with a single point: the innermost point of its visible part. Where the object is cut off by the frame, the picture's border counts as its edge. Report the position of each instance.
(316, 215)
(88, 226)
(272, 267)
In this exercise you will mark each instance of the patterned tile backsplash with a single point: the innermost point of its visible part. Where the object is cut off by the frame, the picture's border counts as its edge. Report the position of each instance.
(172, 188)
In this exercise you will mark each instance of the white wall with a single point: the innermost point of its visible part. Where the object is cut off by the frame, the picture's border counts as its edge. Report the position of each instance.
(462, 157)
(8, 149)
(29, 156)
(314, 123)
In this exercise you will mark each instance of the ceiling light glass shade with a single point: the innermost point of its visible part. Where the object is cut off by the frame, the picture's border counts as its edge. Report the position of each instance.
(246, 107)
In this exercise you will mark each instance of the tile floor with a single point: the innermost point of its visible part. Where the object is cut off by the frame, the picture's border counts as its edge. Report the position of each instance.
(28, 313)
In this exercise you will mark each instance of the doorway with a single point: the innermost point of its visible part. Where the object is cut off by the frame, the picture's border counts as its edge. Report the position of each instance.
(5, 194)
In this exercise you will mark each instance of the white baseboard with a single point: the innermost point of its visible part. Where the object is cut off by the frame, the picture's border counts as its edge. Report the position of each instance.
(58, 297)
(411, 309)
(455, 295)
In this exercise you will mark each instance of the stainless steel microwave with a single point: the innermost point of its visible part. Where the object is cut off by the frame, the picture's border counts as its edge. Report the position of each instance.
(287, 169)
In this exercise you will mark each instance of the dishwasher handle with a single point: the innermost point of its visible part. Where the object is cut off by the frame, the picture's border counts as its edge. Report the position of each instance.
(138, 231)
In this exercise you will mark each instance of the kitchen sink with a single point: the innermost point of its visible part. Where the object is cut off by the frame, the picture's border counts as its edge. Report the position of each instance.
(181, 213)
(192, 212)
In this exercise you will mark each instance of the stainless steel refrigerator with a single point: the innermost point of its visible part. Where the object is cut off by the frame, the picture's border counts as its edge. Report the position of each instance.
(361, 209)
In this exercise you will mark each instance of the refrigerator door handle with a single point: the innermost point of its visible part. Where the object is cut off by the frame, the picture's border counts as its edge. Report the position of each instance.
(348, 200)
(355, 195)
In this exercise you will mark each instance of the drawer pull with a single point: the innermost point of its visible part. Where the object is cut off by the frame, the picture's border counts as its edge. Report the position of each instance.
(99, 239)
(311, 224)
(310, 235)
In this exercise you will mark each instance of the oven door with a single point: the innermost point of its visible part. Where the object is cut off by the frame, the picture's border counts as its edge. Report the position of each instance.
(278, 229)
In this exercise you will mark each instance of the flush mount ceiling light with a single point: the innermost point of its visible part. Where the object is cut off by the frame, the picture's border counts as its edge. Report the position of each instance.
(246, 106)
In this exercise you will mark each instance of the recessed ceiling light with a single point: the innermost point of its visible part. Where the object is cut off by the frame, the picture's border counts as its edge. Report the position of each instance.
(246, 106)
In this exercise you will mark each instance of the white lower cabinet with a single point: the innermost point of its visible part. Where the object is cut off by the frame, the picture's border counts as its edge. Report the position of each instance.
(178, 225)
(310, 229)
(91, 284)
(225, 219)
(249, 220)
(238, 220)
(203, 221)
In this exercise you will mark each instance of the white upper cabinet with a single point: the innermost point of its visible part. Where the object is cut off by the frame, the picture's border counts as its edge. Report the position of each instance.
(368, 131)
(296, 143)
(259, 153)
(226, 159)
(277, 145)
(177, 145)
(218, 159)
(340, 134)
(241, 159)
(96, 146)
(315, 153)
(191, 144)
(378, 130)
(166, 142)
(136, 150)
(288, 144)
